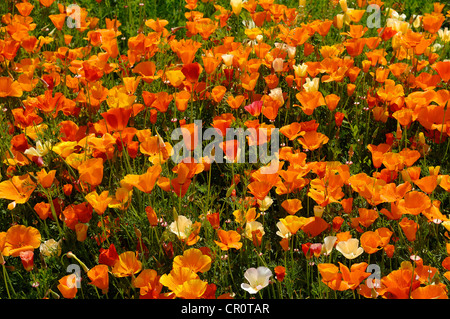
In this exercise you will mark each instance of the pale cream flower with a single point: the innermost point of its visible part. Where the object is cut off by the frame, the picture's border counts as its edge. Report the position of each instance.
(257, 278)
(259, 38)
(444, 34)
(278, 64)
(40, 150)
(318, 210)
(236, 6)
(291, 51)
(311, 85)
(300, 70)
(339, 19)
(227, 59)
(417, 21)
(283, 231)
(277, 94)
(328, 245)
(265, 203)
(181, 227)
(50, 248)
(350, 248)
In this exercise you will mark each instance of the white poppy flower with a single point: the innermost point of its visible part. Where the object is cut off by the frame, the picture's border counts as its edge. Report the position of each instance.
(40, 150)
(181, 227)
(329, 242)
(350, 248)
(257, 278)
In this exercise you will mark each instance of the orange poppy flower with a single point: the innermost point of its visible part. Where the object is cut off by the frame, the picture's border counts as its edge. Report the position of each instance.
(341, 278)
(393, 161)
(193, 259)
(192, 71)
(45, 179)
(99, 202)
(24, 8)
(9, 87)
(99, 277)
(144, 182)
(366, 216)
(398, 284)
(126, 265)
(148, 283)
(391, 192)
(185, 49)
(347, 205)
(146, 70)
(235, 101)
(248, 81)
(214, 219)
(151, 216)
(409, 228)
(17, 189)
(68, 285)
(430, 292)
(43, 210)
(370, 241)
(259, 189)
(403, 116)
(231, 150)
(184, 283)
(81, 231)
(20, 238)
(443, 69)
(182, 99)
(409, 156)
(314, 226)
(210, 64)
(91, 171)
(154, 147)
(156, 25)
(292, 130)
(332, 101)
(427, 184)
(309, 101)
(313, 140)
(432, 22)
(46, 3)
(414, 203)
(218, 92)
(228, 239)
(292, 206)
(58, 20)
(445, 182)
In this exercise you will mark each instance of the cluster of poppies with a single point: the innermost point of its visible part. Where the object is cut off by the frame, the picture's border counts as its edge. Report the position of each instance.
(87, 151)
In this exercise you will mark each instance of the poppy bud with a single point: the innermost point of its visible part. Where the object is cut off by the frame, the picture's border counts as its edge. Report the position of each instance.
(339, 118)
(67, 189)
(318, 210)
(81, 231)
(280, 272)
(339, 21)
(27, 259)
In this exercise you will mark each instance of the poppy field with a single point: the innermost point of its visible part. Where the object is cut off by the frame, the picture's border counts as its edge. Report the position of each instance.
(217, 149)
